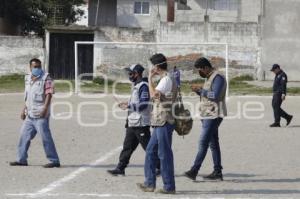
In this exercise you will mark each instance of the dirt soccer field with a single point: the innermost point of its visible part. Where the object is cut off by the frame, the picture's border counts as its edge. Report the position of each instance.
(258, 161)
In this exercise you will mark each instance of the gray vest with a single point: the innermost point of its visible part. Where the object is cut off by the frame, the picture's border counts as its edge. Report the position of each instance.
(208, 108)
(35, 96)
(135, 118)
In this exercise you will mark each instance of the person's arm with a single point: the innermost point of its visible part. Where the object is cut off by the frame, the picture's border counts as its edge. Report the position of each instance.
(49, 91)
(23, 113)
(197, 88)
(217, 86)
(283, 83)
(153, 93)
(144, 98)
(46, 106)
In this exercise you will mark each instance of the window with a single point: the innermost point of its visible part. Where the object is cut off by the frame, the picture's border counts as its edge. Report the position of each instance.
(225, 4)
(182, 5)
(142, 8)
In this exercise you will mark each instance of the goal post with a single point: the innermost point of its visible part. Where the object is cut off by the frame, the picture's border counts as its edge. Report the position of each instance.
(153, 45)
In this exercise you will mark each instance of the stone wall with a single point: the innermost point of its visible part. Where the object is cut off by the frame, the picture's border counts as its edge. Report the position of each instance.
(242, 37)
(16, 51)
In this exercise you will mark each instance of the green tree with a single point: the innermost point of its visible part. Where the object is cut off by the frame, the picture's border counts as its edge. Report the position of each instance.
(35, 15)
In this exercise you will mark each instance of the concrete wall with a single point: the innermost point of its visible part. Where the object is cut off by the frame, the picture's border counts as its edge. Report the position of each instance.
(15, 53)
(127, 18)
(107, 13)
(247, 11)
(243, 40)
(281, 37)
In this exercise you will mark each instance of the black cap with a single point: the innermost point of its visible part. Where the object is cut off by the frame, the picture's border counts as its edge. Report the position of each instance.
(135, 68)
(275, 66)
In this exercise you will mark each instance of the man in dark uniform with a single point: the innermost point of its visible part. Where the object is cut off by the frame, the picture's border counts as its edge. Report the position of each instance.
(279, 93)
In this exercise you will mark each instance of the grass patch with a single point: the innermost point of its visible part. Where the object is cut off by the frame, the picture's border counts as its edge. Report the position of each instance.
(15, 83)
(12, 83)
(242, 78)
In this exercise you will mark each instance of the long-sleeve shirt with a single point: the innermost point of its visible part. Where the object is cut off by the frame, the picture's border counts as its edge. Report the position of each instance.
(215, 93)
(280, 82)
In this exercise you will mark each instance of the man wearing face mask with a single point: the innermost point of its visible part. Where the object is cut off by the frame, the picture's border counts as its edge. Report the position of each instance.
(138, 120)
(163, 96)
(38, 93)
(212, 111)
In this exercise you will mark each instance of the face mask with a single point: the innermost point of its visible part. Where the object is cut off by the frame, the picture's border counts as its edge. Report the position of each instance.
(202, 74)
(37, 72)
(132, 77)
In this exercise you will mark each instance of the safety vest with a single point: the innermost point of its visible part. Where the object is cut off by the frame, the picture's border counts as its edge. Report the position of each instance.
(35, 95)
(162, 108)
(138, 118)
(213, 109)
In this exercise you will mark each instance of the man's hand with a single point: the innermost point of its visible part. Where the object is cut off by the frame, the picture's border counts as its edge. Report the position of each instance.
(23, 115)
(157, 95)
(152, 73)
(44, 113)
(283, 97)
(123, 105)
(196, 87)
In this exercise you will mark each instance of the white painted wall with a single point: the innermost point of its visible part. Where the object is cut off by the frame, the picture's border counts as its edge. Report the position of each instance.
(127, 18)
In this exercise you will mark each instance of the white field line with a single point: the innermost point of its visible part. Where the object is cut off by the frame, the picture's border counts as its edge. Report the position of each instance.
(109, 195)
(54, 185)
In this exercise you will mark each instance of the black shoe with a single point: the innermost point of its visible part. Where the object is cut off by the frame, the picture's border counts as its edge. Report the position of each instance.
(275, 125)
(17, 164)
(190, 174)
(116, 172)
(215, 175)
(289, 119)
(51, 165)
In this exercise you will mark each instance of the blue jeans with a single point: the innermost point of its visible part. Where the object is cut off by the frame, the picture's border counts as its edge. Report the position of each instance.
(160, 146)
(209, 137)
(29, 129)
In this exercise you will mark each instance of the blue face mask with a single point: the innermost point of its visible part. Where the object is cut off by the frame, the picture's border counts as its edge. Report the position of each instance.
(37, 72)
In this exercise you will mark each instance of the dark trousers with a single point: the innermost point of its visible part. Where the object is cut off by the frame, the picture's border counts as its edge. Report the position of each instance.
(209, 138)
(134, 136)
(278, 111)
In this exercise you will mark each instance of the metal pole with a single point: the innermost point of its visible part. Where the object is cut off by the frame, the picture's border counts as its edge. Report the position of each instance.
(227, 72)
(97, 13)
(206, 8)
(76, 67)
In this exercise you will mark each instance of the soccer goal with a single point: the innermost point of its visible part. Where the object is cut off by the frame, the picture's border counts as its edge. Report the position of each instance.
(111, 57)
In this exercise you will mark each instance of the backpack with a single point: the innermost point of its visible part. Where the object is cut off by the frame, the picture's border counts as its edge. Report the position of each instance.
(183, 118)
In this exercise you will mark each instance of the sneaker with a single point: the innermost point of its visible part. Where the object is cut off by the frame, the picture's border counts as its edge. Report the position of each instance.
(145, 188)
(191, 174)
(215, 175)
(289, 119)
(116, 172)
(51, 165)
(275, 125)
(17, 164)
(163, 191)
